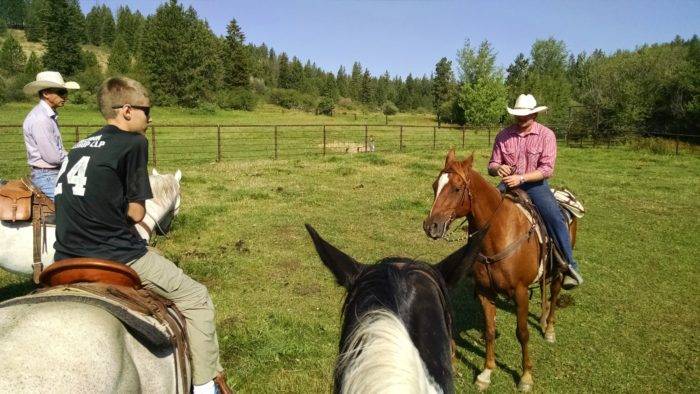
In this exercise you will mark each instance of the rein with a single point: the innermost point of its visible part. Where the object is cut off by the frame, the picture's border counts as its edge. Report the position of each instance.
(511, 248)
(468, 193)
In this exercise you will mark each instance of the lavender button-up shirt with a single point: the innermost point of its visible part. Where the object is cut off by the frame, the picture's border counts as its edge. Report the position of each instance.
(536, 150)
(43, 138)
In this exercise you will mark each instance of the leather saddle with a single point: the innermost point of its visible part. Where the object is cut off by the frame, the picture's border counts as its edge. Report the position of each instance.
(550, 250)
(116, 288)
(22, 201)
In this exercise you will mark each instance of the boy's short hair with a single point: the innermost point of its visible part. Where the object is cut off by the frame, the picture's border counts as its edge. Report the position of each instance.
(119, 91)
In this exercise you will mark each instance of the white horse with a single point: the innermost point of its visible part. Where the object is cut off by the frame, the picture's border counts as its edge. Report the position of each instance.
(75, 347)
(16, 239)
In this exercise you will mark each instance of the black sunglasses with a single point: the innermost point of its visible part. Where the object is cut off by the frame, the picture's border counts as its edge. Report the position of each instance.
(60, 92)
(146, 110)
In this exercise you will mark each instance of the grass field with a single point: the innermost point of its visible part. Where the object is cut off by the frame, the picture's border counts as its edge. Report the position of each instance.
(633, 326)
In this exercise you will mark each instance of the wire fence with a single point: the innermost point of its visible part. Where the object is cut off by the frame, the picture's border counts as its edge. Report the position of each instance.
(199, 143)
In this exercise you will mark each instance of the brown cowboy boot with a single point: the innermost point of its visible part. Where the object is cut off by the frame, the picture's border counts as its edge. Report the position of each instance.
(221, 385)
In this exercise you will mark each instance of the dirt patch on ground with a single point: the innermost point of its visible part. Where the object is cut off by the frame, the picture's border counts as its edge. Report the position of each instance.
(344, 147)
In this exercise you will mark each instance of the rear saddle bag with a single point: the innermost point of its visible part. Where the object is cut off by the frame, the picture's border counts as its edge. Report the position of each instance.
(15, 201)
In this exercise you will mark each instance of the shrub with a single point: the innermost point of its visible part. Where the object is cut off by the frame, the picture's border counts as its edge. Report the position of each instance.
(241, 99)
(326, 106)
(293, 99)
(389, 108)
(346, 103)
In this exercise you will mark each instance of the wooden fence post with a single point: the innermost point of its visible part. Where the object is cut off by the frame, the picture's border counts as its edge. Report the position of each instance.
(365, 138)
(276, 149)
(677, 141)
(463, 131)
(218, 142)
(153, 140)
(400, 138)
(77, 134)
(489, 136)
(434, 132)
(324, 140)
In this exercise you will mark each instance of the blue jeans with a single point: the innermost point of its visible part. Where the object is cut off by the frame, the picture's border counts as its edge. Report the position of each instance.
(548, 207)
(45, 179)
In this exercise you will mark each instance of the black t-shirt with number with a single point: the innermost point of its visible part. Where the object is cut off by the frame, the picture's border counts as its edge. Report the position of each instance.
(101, 175)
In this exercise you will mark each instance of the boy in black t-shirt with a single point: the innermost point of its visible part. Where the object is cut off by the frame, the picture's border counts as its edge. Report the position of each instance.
(100, 194)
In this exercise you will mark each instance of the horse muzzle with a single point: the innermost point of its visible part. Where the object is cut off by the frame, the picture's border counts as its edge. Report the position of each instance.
(436, 227)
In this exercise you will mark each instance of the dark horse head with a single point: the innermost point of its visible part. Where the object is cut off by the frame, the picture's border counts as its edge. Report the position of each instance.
(396, 330)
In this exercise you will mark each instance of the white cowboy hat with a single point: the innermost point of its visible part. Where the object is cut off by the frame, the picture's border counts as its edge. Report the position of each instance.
(525, 105)
(48, 80)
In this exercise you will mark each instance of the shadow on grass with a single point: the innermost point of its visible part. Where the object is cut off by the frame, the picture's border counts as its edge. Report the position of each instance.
(16, 290)
(468, 315)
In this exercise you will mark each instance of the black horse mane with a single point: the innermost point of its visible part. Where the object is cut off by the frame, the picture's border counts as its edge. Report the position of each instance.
(387, 277)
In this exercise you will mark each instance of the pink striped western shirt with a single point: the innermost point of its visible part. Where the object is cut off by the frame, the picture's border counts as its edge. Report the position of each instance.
(536, 150)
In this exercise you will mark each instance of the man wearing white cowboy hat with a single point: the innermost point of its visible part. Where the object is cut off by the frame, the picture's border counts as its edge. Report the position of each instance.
(523, 156)
(45, 151)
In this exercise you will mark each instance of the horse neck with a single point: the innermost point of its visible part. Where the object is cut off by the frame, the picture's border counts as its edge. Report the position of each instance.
(486, 199)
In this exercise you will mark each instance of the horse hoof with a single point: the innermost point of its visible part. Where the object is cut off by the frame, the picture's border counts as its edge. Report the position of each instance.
(550, 337)
(482, 385)
(524, 387)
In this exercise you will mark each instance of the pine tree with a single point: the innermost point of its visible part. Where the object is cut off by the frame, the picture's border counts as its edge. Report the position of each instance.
(13, 12)
(355, 82)
(120, 59)
(93, 25)
(35, 27)
(129, 26)
(284, 72)
(62, 39)
(33, 66)
(341, 80)
(77, 20)
(180, 56)
(517, 77)
(296, 74)
(12, 58)
(108, 27)
(366, 88)
(237, 59)
(443, 85)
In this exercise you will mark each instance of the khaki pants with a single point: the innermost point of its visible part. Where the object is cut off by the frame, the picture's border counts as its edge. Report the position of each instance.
(161, 276)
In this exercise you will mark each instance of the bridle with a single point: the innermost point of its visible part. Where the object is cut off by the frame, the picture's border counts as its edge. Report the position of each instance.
(467, 193)
(169, 213)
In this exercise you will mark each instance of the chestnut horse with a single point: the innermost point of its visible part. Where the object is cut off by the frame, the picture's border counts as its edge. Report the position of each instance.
(396, 335)
(510, 259)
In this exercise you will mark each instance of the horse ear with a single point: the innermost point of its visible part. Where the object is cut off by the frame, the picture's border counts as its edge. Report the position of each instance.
(453, 267)
(469, 161)
(178, 175)
(450, 157)
(155, 172)
(344, 268)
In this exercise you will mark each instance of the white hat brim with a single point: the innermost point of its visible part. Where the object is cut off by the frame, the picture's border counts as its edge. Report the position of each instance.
(34, 87)
(525, 111)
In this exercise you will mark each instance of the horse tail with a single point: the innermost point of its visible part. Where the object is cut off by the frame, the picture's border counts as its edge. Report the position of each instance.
(380, 357)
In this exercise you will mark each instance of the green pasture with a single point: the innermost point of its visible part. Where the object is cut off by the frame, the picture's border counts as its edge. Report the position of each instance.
(632, 327)
(190, 136)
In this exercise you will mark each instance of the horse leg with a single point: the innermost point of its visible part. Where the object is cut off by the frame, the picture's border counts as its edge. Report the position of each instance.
(488, 305)
(523, 334)
(555, 288)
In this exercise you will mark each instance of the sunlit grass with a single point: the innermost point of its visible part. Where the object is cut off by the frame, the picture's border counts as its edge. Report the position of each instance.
(632, 328)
